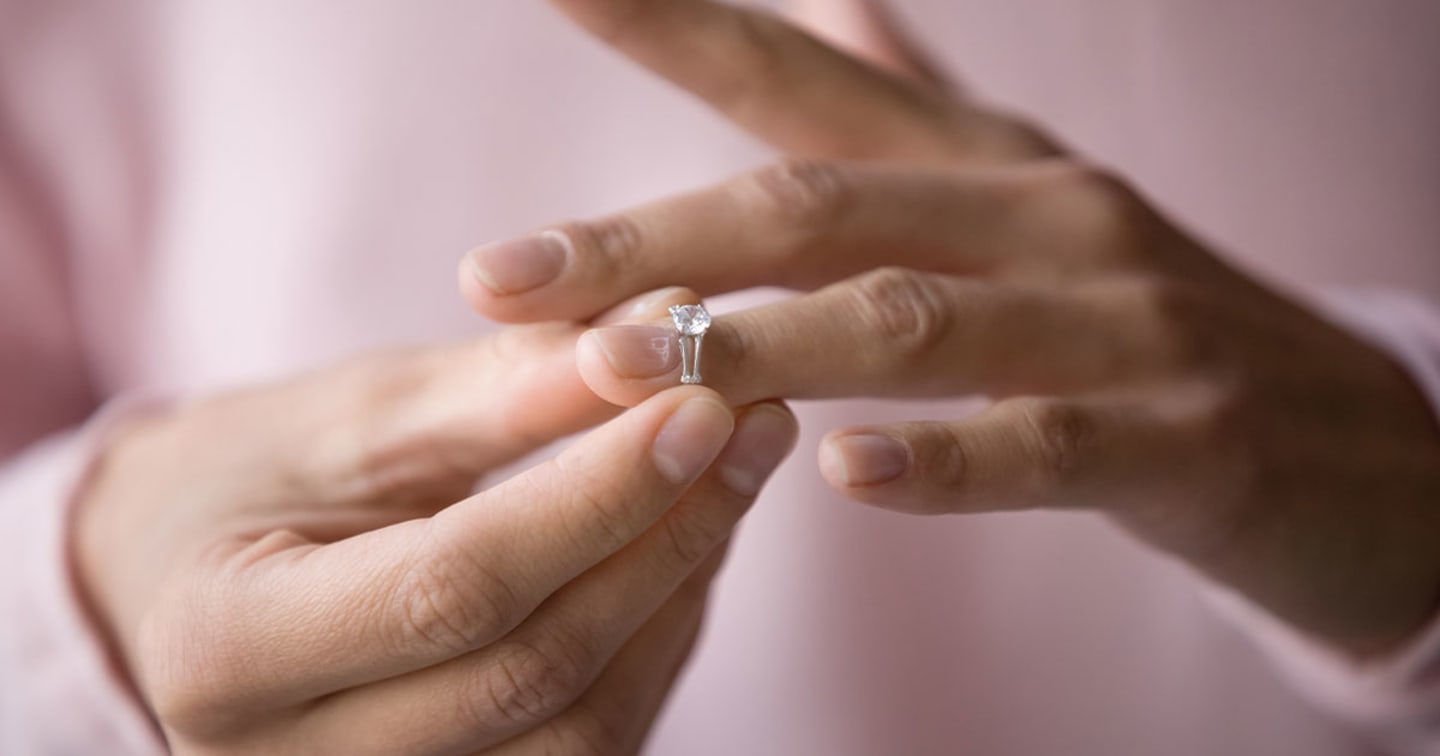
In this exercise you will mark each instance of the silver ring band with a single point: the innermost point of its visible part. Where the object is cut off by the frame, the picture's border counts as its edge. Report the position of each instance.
(691, 322)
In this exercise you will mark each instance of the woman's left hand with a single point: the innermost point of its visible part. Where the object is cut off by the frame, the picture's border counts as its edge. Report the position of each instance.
(1135, 372)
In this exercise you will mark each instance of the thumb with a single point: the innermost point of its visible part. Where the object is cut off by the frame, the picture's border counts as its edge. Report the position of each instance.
(426, 422)
(869, 29)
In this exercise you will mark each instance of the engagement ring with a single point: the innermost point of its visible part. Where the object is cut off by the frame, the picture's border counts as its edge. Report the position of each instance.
(692, 321)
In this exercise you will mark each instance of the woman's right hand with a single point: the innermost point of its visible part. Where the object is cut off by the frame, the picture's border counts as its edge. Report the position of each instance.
(298, 569)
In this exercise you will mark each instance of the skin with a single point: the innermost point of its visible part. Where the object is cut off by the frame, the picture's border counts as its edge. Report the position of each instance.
(941, 248)
(302, 568)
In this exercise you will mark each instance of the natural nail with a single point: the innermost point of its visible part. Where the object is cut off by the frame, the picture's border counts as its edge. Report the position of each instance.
(515, 267)
(866, 460)
(639, 351)
(691, 439)
(763, 438)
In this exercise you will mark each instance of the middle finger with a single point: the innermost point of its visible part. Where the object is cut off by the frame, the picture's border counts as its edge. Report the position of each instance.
(795, 92)
(803, 225)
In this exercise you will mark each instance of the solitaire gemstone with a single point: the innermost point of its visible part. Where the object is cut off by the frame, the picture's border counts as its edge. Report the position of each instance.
(690, 320)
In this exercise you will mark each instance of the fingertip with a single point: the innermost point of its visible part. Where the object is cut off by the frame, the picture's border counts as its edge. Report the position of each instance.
(626, 364)
(693, 435)
(595, 369)
(472, 290)
(832, 465)
(484, 300)
(509, 280)
(765, 434)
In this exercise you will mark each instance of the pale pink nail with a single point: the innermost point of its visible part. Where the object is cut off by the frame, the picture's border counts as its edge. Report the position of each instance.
(763, 437)
(691, 439)
(518, 266)
(639, 351)
(865, 460)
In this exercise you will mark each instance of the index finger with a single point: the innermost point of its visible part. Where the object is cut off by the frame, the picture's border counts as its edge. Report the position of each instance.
(425, 591)
(795, 92)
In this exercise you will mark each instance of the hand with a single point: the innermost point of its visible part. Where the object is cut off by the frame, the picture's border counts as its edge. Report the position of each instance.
(298, 569)
(1136, 373)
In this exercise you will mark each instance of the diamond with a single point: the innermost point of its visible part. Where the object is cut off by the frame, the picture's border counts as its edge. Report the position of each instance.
(690, 320)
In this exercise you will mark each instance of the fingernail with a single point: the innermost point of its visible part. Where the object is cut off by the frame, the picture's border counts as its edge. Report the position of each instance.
(865, 460)
(691, 439)
(763, 438)
(639, 351)
(515, 267)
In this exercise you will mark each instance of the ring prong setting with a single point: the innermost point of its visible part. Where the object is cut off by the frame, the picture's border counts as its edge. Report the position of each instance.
(691, 322)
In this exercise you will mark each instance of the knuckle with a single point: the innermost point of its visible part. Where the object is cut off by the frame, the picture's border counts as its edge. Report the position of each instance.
(527, 682)
(744, 353)
(380, 378)
(806, 197)
(520, 355)
(449, 601)
(1226, 420)
(903, 309)
(182, 697)
(1060, 435)
(1180, 322)
(613, 243)
(202, 700)
(1094, 210)
(944, 460)
(689, 538)
(603, 523)
(361, 445)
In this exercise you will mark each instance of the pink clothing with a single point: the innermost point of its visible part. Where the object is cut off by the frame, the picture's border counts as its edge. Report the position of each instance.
(198, 195)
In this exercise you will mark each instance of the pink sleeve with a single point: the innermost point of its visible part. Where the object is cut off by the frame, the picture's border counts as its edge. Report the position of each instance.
(1395, 700)
(59, 693)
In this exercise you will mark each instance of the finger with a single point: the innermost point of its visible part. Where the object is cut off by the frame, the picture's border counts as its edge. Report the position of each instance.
(899, 333)
(793, 91)
(646, 307)
(1024, 453)
(539, 670)
(422, 424)
(617, 712)
(802, 225)
(868, 28)
(418, 593)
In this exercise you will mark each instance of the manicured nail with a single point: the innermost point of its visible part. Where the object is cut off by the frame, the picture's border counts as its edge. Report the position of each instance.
(691, 439)
(639, 351)
(763, 438)
(865, 460)
(515, 267)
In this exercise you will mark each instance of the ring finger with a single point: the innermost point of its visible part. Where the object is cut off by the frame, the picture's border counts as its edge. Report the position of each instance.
(895, 332)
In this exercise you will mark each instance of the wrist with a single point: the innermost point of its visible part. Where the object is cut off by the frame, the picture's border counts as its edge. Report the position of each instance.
(108, 528)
